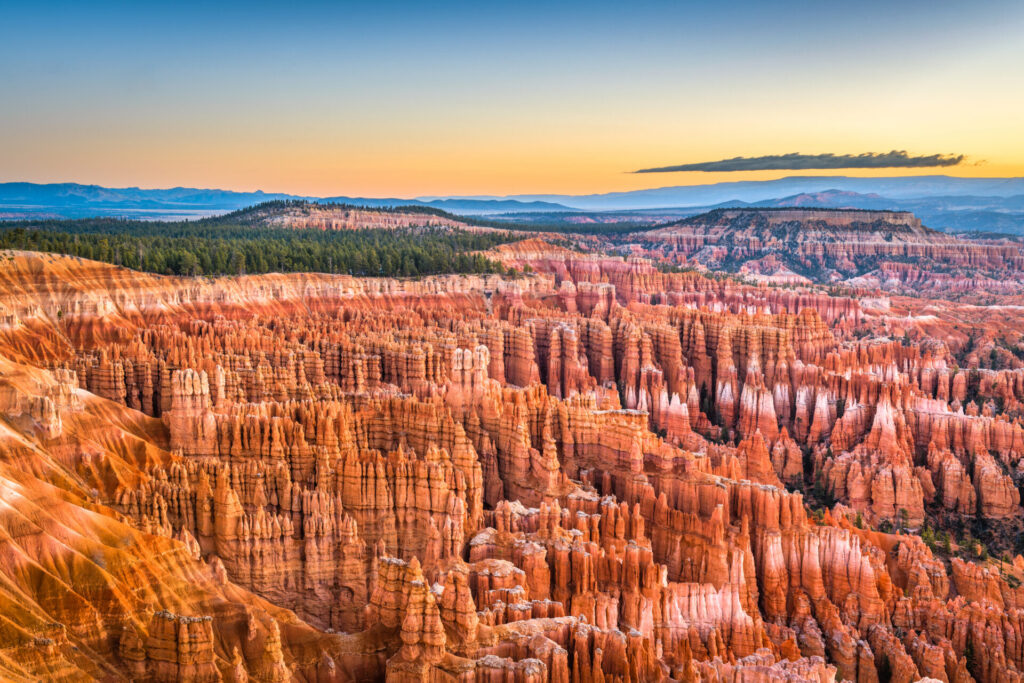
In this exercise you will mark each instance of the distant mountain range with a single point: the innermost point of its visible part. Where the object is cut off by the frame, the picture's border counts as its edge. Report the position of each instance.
(71, 200)
(901, 187)
(964, 213)
(942, 202)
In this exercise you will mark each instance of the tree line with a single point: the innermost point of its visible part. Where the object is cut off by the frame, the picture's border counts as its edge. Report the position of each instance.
(199, 248)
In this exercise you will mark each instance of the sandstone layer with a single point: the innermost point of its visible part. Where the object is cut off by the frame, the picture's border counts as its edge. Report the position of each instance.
(597, 471)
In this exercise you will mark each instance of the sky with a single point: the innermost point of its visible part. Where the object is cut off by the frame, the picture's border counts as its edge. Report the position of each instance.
(485, 98)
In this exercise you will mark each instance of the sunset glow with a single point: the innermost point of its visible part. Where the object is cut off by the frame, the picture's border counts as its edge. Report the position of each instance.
(405, 101)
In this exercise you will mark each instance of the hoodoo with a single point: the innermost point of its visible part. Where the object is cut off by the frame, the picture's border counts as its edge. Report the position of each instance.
(596, 471)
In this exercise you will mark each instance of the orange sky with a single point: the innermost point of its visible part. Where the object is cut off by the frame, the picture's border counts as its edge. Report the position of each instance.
(497, 99)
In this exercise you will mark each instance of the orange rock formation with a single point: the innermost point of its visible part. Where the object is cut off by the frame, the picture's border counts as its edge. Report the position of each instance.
(597, 472)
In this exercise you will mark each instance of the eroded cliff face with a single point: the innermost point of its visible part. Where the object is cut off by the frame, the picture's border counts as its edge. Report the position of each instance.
(304, 215)
(597, 472)
(886, 250)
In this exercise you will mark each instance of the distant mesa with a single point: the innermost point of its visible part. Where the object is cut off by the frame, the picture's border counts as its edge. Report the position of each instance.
(856, 247)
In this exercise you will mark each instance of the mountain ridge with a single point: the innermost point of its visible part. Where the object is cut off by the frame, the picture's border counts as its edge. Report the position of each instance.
(76, 200)
(946, 202)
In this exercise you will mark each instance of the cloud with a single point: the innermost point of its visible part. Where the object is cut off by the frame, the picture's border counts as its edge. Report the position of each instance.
(795, 161)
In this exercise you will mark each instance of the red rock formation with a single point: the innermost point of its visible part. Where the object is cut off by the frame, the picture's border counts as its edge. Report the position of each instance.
(773, 245)
(591, 473)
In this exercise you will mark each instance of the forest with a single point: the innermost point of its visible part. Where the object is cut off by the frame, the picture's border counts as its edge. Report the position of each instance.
(218, 248)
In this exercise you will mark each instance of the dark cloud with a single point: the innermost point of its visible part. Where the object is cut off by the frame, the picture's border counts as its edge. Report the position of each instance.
(794, 162)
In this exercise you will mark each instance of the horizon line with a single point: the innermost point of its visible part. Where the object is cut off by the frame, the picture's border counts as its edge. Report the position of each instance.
(437, 197)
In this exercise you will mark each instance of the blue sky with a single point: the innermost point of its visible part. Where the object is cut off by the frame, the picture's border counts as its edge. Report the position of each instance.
(408, 98)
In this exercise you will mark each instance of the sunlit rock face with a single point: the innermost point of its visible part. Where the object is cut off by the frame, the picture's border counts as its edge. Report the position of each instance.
(600, 471)
(869, 250)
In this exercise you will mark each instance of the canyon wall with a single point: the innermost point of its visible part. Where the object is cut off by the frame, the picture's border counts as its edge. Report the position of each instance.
(599, 471)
